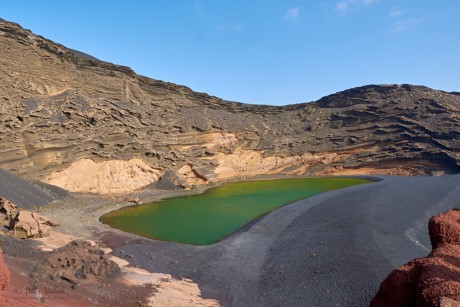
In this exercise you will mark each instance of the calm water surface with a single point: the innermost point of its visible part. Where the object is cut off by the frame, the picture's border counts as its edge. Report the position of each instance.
(209, 217)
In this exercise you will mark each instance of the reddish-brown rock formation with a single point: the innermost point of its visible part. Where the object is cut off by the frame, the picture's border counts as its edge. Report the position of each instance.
(78, 262)
(430, 281)
(445, 228)
(4, 278)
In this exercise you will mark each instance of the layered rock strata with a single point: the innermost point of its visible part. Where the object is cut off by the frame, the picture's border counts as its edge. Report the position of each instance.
(59, 109)
(430, 281)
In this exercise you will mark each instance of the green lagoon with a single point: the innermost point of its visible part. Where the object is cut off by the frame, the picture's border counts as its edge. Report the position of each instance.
(209, 217)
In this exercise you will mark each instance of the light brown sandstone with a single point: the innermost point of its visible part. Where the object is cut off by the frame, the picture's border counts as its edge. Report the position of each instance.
(113, 176)
(30, 224)
(8, 208)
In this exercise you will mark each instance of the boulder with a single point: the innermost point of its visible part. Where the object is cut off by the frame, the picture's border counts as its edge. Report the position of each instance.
(30, 224)
(430, 281)
(445, 228)
(78, 262)
(8, 208)
(4, 278)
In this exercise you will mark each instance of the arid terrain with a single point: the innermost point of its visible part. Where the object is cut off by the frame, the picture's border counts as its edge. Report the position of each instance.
(63, 115)
(80, 137)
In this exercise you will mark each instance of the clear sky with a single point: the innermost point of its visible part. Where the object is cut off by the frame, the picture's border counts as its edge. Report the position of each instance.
(261, 51)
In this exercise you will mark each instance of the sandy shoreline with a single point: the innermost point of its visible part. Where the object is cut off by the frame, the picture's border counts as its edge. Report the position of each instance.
(90, 207)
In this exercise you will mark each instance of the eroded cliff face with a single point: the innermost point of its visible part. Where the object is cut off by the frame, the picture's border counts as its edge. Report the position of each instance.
(105, 177)
(58, 109)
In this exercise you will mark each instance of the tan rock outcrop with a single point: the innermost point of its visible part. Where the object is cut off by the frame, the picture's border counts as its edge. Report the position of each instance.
(433, 281)
(114, 176)
(8, 208)
(188, 177)
(247, 163)
(30, 224)
(167, 291)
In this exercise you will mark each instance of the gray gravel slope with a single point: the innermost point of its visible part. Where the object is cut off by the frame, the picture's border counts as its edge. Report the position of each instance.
(26, 194)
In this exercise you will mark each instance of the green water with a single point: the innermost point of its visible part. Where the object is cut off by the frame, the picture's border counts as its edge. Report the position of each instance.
(207, 218)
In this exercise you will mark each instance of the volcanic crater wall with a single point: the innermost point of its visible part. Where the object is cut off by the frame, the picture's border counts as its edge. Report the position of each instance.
(58, 108)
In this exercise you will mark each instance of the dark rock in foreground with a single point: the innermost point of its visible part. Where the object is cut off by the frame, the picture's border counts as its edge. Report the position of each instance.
(78, 262)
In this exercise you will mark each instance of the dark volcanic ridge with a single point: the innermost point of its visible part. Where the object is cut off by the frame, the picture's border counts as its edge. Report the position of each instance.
(59, 107)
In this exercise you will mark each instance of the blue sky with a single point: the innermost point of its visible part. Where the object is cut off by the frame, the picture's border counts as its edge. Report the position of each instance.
(263, 52)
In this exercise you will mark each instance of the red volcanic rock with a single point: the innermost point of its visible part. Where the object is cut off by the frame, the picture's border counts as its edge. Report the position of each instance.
(440, 276)
(4, 278)
(430, 281)
(445, 228)
(398, 289)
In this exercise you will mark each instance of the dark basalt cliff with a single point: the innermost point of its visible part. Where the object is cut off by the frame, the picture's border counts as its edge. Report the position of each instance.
(58, 108)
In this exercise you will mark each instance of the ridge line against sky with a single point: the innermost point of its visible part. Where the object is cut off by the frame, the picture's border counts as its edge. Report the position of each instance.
(262, 52)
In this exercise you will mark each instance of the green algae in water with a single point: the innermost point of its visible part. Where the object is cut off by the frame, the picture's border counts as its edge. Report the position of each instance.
(207, 218)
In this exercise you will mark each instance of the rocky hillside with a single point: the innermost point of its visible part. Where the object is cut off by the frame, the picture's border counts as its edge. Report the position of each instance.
(88, 125)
